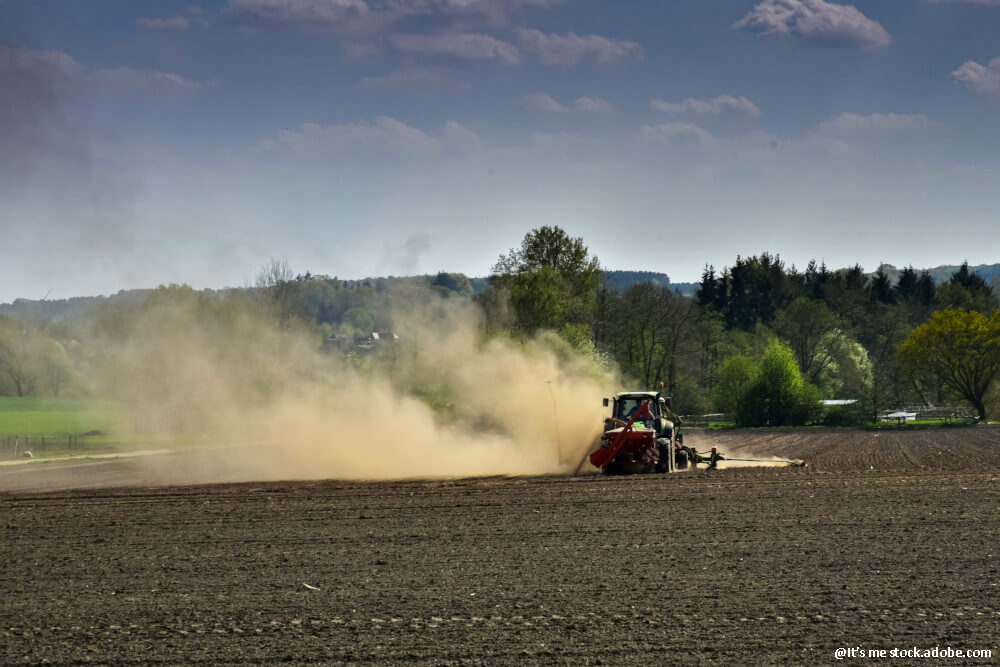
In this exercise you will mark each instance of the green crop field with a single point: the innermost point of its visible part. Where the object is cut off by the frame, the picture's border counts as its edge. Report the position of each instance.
(31, 416)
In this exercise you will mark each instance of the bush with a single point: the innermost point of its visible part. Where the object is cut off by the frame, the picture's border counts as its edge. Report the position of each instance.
(845, 415)
(735, 377)
(771, 393)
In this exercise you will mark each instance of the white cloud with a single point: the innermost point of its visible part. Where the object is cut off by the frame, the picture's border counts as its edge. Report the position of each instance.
(129, 77)
(72, 72)
(547, 103)
(467, 46)
(495, 12)
(815, 22)
(413, 78)
(852, 122)
(986, 3)
(384, 132)
(361, 17)
(593, 105)
(571, 48)
(14, 59)
(169, 23)
(329, 13)
(460, 136)
(708, 105)
(669, 133)
(979, 78)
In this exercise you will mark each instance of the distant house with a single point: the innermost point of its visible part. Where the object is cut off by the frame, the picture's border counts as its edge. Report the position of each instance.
(839, 401)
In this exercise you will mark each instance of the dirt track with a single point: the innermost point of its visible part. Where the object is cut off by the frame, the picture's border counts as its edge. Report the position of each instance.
(880, 545)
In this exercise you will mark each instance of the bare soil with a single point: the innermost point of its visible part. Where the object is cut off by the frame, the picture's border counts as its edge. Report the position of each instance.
(909, 449)
(886, 540)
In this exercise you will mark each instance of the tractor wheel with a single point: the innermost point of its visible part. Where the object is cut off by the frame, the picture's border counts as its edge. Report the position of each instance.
(681, 459)
(664, 465)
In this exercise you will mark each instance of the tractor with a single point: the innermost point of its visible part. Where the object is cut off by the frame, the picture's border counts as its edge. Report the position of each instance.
(641, 436)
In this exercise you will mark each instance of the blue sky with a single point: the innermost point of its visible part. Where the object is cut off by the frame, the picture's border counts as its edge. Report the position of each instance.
(143, 143)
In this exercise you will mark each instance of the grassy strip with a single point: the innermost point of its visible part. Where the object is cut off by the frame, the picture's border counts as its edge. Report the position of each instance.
(54, 417)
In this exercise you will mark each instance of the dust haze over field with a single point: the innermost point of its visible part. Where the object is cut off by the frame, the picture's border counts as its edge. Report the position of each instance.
(223, 372)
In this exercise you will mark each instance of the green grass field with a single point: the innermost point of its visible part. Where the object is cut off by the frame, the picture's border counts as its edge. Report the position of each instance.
(55, 417)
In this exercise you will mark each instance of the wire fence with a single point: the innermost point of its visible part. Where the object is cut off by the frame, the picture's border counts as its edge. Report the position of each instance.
(858, 415)
(30, 446)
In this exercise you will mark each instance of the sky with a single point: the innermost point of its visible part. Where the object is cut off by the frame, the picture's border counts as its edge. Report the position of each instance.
(147, 143)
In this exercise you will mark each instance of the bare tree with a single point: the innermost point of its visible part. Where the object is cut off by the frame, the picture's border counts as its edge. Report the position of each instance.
(650, 325)
(277, 284)
(53, 365)
(15, 356)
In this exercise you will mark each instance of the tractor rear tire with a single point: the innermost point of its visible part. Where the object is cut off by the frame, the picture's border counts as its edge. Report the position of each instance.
(681, 460)
(664, 446)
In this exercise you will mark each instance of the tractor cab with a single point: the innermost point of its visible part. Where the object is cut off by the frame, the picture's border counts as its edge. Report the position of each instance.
(625, 406)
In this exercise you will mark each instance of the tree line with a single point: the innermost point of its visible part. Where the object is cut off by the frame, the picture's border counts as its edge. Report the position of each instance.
(759, 339)
(762, 340)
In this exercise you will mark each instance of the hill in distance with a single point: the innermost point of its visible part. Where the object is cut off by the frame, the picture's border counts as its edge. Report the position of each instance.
(57, 309)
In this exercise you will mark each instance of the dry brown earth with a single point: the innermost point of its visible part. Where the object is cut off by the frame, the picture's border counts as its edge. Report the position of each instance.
(885, 541)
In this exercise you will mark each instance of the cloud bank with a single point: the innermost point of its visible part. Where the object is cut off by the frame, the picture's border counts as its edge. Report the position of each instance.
(979, 78)
(815, 23)
(708, 105)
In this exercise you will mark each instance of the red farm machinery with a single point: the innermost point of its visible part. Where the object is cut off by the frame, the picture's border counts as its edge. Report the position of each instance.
(642, 435)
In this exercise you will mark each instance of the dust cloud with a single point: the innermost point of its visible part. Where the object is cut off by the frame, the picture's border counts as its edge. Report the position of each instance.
(763, 462)
(250, 400)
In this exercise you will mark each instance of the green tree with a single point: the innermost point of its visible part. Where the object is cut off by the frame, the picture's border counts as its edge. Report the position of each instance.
(962, 348)
(709, 334)
(552, 279)
(769, 393)
(361, 320)
(779, 396)
(807, 325)
(450, 283)
(881, 330)
(968, 291)
(542, 298)
(735, 377)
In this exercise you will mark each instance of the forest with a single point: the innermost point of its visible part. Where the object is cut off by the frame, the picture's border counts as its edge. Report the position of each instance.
(760, 341)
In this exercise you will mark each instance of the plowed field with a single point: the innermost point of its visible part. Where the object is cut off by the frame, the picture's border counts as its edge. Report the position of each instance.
(887, 540)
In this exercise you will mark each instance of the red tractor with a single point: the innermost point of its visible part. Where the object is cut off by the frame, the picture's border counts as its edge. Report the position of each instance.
(641, 436)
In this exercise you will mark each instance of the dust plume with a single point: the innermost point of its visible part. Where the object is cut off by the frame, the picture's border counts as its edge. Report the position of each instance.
(761, 462)
(443, 401)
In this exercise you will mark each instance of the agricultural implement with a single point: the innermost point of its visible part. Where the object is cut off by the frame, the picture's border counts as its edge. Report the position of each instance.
(643, 436)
